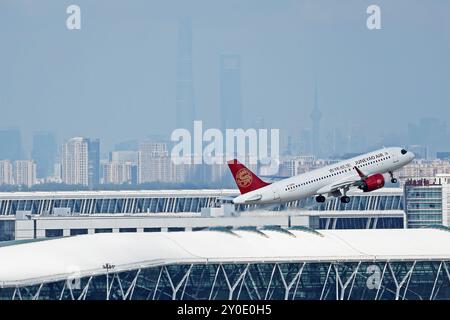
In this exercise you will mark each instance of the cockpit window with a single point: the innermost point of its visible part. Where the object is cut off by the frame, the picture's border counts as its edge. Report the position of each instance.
(403, 151)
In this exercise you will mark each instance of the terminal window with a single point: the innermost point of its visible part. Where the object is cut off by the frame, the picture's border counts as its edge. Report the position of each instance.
(53, 233)
(174, 229)
(7, 230)
(76, 232)
(152, 229)
(103, 230)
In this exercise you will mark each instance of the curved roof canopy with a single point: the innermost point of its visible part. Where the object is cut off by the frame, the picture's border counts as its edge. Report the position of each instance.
(80, 256)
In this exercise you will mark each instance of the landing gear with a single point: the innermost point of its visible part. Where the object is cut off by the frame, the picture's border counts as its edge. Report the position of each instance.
(345, 199)
(393, 180)
(320, 199)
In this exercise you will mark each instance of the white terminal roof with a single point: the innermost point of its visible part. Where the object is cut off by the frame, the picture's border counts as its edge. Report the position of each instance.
(80, 256)
(32, 195)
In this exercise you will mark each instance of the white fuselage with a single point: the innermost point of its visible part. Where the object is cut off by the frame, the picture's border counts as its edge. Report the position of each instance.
(318, 182)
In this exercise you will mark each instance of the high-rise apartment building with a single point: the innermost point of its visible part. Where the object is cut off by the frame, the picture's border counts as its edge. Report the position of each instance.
(119, 173)
(153, 162)
(6, 172)
(80, 161)
(25, 173)
(74, 161)
(93, 162)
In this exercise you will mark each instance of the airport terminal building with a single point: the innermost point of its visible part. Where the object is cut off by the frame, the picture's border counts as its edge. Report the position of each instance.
(33, 215)
(251, 263)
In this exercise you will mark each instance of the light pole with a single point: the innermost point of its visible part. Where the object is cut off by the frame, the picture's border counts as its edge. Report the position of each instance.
(107, 266)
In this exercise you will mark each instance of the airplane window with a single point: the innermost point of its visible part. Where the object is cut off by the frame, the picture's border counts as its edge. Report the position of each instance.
(403, 151)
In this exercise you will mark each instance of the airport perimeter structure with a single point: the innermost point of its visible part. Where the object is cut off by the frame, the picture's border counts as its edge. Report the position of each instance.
(174, 201)
(266, 263)
(30, 215)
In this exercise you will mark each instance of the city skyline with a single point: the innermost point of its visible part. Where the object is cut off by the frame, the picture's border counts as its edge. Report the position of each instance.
(282, 55)
(249, 150)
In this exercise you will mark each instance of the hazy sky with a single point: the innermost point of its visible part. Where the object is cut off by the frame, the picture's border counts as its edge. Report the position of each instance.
(115, 78)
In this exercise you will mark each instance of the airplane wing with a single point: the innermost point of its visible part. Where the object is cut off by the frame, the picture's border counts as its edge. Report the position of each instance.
(347, 182)
(339, 185)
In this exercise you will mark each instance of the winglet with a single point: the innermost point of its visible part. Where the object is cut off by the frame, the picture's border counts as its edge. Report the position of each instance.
(362, 175)
(245, 179)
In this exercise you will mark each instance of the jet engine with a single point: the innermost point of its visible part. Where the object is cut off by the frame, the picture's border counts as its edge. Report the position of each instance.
(372, 182)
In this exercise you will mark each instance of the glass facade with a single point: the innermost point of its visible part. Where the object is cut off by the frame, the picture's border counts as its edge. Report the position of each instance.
(7, 230)
(53, 233)
(174, 204)
(423, 205)
(361, 223)
(103, 230)
(378, 280)
(357, 202)
(193, 201)
(108, 205)
(77, 232)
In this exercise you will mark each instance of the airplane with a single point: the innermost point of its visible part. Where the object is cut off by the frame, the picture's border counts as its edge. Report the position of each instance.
(364, 172)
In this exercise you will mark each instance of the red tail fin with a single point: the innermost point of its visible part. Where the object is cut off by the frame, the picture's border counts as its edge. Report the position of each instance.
(245, 179)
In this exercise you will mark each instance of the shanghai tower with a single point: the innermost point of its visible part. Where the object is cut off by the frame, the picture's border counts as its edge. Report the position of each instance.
(185, 107)
(316, 116)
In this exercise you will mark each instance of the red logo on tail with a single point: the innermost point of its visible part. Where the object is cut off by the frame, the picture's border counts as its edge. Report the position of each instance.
(245, 179)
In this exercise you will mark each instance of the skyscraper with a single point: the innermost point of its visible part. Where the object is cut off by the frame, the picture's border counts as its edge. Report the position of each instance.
(154, 162)
(119, 172)
(93, 162)
(316, 115)
(230, 92)
(10, 144)
(185, 106)
(74, 161)
(6, 172)
(80, 161)
(25, 173)
(44, 153)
